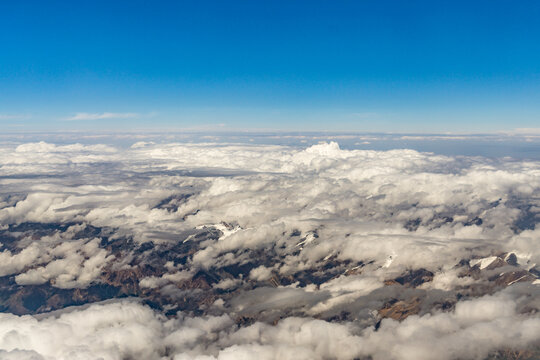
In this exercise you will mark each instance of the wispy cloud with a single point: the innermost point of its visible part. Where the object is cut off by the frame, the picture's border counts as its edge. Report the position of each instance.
(13, 117)
(526, 131)
(99, 116)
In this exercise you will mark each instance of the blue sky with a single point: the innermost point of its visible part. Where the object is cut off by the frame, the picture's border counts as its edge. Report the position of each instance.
(403, 66)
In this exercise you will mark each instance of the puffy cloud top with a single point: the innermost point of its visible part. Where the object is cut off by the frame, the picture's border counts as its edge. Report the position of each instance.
(267, 251)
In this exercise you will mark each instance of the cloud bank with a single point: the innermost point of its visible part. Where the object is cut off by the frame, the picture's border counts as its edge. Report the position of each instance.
(264, 250)
(126, 329)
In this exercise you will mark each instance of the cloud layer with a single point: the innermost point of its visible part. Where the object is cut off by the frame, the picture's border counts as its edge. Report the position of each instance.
(268, 251)
(125, 329)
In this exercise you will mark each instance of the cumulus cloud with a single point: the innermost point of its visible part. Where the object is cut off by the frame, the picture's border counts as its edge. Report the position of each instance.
(417, 207)
(260, 273)
(75, 265)
(472, 331)
(13, 263)
(253, 242)
(155, 281)
(129, 329)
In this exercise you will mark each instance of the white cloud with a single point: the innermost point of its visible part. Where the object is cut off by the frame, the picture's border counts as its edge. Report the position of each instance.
(127, 329)
(526, 131)
(100, 116)
(12, 264)
(368, 195)
(369, 216)
(260, 273)
(76, 264)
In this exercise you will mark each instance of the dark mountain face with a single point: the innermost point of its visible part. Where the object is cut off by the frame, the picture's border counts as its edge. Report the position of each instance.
(146, 273)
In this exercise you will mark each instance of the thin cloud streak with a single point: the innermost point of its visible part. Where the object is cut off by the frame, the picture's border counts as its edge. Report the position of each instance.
(13, 117)
(100, 116)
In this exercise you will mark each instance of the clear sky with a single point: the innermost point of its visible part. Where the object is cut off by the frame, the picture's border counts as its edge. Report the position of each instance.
(404, 66)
